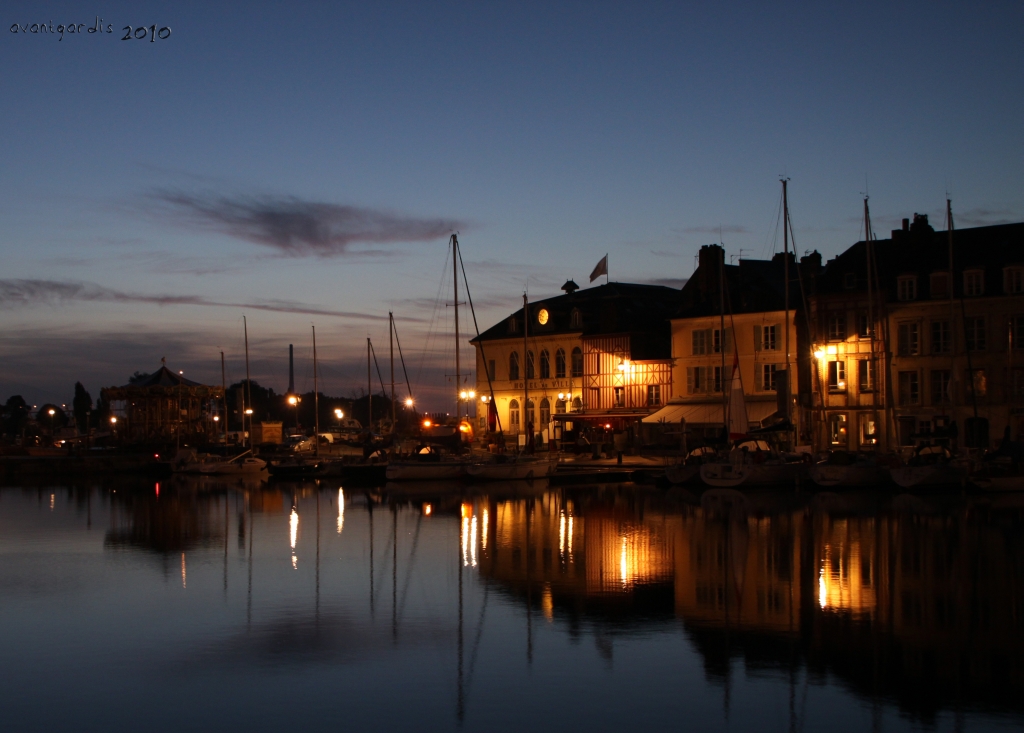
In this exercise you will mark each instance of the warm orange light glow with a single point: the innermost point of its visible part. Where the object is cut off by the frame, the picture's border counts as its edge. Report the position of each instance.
(216, 418)
(113, 420)
(339, 414)
(427, 510)
(467, 510)
(158, 489)
(248, 411)
(293, 400)
(427, 423)
(52, 412)
(408, 401)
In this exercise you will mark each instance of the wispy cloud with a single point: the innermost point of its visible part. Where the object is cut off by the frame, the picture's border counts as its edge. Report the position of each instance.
(723, 228)
(668, 282)
(980, 217)
(15, 293)
(296, 227)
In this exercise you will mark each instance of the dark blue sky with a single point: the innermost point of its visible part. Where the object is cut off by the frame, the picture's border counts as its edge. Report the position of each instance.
(313, 158)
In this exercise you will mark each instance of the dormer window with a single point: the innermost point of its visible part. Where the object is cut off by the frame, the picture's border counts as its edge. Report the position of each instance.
(576, 319)
(1013, 280)
(974, 282)
(939, 285)
(906, 287)
(850, 280)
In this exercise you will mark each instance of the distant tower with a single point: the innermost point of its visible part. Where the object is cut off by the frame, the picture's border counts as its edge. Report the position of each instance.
(291, 369)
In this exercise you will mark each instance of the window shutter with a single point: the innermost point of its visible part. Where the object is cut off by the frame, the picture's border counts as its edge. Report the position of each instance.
(758, 374)
(728, 339)
(709, 339)
(693, 342)
(757, 338)
(689, 380)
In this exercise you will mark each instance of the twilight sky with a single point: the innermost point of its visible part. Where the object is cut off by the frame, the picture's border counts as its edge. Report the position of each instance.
(304, 164)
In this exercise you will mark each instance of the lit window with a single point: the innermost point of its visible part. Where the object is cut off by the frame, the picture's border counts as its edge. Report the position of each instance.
(974, 282)
(837, 376)
(837, 430)
(620, 397)
(513, 415)
(868, 429)
(939, 285)
(906, 287)
(545, 412)
(977, 385)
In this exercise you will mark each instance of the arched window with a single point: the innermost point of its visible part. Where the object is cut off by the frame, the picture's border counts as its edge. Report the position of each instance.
(529, 365)
(577, 362)
(531, 415)
(545, 365)
(577, 404)
(560, 364)
(560, 407)
(576, 319)
(513, 365)
(513, 416)
(545, 413)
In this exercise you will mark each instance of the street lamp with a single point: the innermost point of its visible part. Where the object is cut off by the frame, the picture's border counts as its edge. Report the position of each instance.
(294, 402)
(408, 401)
(339, 414)
(52, 412)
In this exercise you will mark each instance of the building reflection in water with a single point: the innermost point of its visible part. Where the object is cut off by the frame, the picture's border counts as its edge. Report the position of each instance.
(906, 600)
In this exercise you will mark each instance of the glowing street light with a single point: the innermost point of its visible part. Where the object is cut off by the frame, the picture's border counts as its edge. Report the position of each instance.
(408, 401)
(248, 411)
(216, 418)
(339, 414)
(113, 421)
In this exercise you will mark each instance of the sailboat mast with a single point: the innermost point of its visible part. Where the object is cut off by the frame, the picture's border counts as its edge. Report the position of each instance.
(455, 286)
(526, 366)
(224, 395)
(785, 275)
(391, 340)
(248, 384)
(316, 400)
(721, 337)
(871, 304)
(369, 390)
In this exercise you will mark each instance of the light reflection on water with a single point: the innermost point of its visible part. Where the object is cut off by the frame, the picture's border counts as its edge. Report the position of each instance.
(507, 608)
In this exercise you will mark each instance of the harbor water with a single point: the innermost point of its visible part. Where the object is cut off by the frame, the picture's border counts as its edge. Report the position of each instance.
(208, 605)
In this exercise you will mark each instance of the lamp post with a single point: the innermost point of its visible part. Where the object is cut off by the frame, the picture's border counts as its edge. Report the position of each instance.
(294, 402)
(51, 412)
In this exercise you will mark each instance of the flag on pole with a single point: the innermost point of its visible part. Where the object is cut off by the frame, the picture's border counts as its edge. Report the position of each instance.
(601, 269)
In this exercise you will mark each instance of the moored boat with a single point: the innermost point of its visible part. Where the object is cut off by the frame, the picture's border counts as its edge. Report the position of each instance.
(512, 468)
(848, 469)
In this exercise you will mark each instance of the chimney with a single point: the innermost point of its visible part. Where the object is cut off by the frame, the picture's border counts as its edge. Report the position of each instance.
(291, 369)
(906, 225)
(709, 259)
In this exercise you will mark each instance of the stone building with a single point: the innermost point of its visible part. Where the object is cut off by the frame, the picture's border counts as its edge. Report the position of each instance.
(600, 356)
(927, 348)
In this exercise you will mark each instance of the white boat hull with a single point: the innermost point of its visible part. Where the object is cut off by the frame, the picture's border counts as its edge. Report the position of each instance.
(729, 475)
(853, 475)
(513, 471)
(423, 471)
(936, 476)
(248, 467)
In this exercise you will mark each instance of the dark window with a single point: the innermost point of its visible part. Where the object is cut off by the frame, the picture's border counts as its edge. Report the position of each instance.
(490, 369)
(836, 326)
(909, 390)
(576, 319)
(577, 362)
(560, 364)
(941, 388)
(545, 365)
(513, 365)
(866, 375)
(529, 365)
(974, 331)
(907, 343)
(941, 342)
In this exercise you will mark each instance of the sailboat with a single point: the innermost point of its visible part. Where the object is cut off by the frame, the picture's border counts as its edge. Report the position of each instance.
(429, 464)
(302, 467)
(245, 462)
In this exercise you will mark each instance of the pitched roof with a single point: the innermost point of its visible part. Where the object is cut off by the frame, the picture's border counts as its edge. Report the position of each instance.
(922, 251)
(163, 377)
(642, 311)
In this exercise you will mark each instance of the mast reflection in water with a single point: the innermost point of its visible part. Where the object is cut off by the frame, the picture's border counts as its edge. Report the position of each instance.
(593, 608)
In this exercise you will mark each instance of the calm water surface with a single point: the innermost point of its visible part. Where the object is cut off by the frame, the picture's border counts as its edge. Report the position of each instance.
(203, 605)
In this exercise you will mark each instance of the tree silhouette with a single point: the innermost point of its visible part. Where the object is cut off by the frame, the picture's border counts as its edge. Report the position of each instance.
(81, 405)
